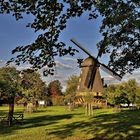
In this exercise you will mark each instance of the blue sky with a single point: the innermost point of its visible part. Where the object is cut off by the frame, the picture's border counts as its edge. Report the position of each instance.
(14, 33)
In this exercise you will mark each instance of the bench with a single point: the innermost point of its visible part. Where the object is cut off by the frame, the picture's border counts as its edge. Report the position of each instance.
(4, 118)
(17, 118)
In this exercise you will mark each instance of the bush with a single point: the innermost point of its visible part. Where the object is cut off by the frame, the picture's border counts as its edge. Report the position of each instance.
(58, 100)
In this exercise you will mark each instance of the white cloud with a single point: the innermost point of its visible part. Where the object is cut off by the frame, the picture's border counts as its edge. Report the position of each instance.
(24, 66)
(110, 80)
(135, 75)
(12, 64)
(69, 59)
(21, 66)
(109, 77)
(2, 63)
(58, 76)
(64, 69)
(63, 66)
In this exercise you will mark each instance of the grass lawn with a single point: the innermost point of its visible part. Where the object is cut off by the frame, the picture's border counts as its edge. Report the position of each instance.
(55, 123)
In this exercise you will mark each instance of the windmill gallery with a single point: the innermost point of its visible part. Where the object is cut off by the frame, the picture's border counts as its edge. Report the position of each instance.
(90, 87)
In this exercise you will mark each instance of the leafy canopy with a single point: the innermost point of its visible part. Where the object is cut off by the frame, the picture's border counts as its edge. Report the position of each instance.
(54, 88)
(71, 87)
(9, 82)
(33, 88)
(120, 29)
(125, 92)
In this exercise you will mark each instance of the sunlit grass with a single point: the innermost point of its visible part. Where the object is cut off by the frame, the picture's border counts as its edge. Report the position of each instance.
(55, 123)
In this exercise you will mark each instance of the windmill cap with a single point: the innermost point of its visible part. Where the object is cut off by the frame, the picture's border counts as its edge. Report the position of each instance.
(88, 62)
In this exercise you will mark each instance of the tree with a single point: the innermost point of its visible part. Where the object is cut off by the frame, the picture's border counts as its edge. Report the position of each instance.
(122, 96)
(132, 90)
(123, 93)
(109, 94)
(72, 84)
(55, 92)
(120, 29)
(121, 33)
(137, 101)
(33, 87)
(10, 87)
(55, 88)
(127, 92)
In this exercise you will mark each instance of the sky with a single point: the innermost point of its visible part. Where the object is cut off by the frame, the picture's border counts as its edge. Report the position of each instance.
(15, 33)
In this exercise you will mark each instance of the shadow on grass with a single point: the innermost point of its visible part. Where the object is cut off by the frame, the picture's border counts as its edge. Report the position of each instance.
(3, 112)
(124, 125)
(33, 122)
(116, 126)
(44, 120)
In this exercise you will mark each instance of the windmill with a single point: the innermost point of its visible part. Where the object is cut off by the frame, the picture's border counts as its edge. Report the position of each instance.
(90, 78)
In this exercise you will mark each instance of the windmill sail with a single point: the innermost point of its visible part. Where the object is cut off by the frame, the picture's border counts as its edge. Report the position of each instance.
(110, 72)
(103, 66)
(80, 46)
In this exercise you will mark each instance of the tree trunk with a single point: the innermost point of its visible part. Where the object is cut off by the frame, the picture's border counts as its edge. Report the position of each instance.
(11, 111)
(86, 109)
(89, 109)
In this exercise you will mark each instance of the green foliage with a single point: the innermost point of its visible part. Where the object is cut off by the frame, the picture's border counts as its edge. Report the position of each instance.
(55, 88)
(120, 29)
(131, 89)
(29, 87)
(55, 92)
(9, 82)
(71, 89)
(33, 88)
(137, 101)
(121, 32)
(109, 94)
(126, 92)
(58, 100)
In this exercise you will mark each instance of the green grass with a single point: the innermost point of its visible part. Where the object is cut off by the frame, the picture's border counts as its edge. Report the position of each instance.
(55, 123)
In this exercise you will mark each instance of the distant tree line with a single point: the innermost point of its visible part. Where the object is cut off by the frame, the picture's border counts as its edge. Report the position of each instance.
(124, 93)
(29, 87)
(25, 87)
